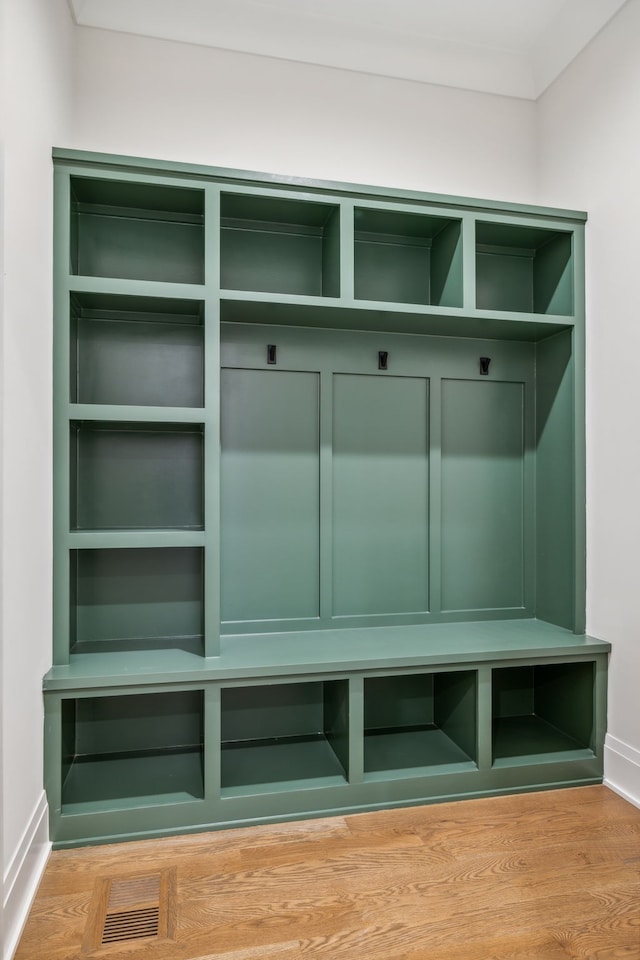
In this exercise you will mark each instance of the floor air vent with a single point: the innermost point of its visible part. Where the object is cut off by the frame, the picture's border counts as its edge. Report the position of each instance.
(131, 925)
(129, 909)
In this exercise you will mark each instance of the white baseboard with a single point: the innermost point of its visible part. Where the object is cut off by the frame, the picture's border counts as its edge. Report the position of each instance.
(622, 769)
(23, 875)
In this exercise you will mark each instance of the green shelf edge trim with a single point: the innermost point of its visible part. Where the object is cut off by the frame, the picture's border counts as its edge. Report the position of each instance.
(125, 287)
(287, 655)
(145, 165)
(553, 321)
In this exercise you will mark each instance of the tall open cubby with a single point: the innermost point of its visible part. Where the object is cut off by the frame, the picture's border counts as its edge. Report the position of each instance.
(319, 501)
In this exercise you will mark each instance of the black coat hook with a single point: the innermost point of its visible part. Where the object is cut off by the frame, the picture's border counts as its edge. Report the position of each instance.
(484, 366)
(383, 359)
(271, 353)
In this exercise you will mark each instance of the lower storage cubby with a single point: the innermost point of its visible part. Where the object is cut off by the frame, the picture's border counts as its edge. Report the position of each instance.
(544, 710)
(137, 599)
(284, 736)
(135, 750)
(417, 722)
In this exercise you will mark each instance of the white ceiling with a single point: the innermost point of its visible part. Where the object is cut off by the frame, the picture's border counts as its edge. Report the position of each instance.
(511, 47)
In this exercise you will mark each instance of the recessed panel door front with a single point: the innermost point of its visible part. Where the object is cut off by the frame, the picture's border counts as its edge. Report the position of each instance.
(483, 503)
(270, 495)
(380, 495)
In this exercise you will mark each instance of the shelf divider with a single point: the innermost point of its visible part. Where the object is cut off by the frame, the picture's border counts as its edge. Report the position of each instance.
(212, 422)
(119, 413)
(61, 437)
(347, 245)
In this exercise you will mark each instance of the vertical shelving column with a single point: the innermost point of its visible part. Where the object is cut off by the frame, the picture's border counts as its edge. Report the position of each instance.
(135, 420)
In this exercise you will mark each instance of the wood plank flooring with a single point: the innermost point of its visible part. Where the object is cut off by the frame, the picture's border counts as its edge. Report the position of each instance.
(542, 876)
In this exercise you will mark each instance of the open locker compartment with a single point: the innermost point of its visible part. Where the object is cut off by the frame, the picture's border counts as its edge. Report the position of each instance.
(433, 490)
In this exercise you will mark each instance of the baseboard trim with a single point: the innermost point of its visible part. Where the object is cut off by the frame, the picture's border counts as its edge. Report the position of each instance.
(23, 875)
(622, 769)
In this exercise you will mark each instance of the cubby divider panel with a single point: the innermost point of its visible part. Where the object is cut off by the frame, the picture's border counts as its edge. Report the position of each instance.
(136, 476)
(542, 709)
(137, 231)
(132, 750)
(524, 269)
(408, 258)
(284, 736)
(555, 480)
(418, 721)
(147, 599)
(142, 351)
(277, 245)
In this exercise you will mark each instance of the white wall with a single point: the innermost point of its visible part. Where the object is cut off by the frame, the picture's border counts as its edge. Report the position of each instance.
(177, 101)
(36, 86)
(589, 150)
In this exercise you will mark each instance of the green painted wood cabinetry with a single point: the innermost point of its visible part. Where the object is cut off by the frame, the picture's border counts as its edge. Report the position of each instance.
(319, 501)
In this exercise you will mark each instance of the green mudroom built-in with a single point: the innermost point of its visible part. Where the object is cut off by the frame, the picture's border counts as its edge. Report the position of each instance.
(319, 501)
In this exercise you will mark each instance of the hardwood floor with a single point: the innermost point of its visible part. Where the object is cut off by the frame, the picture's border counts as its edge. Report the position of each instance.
(542, 876)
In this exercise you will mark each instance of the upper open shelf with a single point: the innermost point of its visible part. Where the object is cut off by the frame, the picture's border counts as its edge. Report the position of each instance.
(407, 258)
(143, 351)
(136, 231)
(145, 600)
(136, 476)
(524, 269)
(280, 246)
